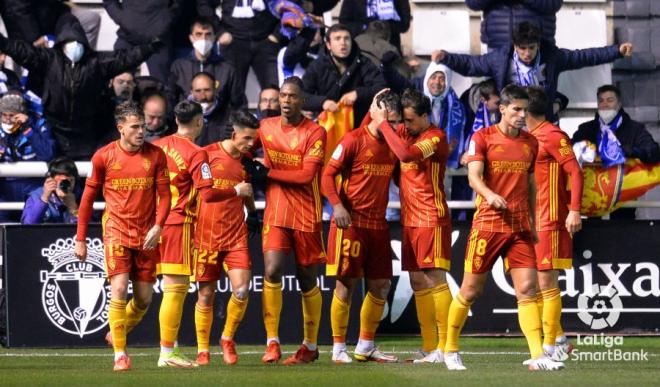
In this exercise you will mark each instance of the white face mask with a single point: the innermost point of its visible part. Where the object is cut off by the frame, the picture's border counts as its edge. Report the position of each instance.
(205, 106)
(74, 51)
(7, 128)
(607, 115)
(203, 46)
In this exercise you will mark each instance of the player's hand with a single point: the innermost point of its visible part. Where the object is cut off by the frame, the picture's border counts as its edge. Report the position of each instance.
(573, 222)
(342, 217)
(243, 190)
(50, 185)
(626, 49)
(464, 159)
(349, 98)
(225, 39)
(80, 251)
(496, 201)
(330, 105)
(437, 56)
(152, 238)
(253, 224)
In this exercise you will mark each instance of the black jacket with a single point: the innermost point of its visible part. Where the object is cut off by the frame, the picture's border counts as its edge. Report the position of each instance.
(502, 16)
(255, 29)
(353, 14)
(31, 19)
(216, 125)
(635, 140)
(140, 21)
(71, 92)
(323, 81)
(228, 86)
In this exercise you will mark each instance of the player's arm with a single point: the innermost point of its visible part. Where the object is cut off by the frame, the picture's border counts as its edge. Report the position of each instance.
(559, 146)
(531, 203)
(92, 187)
(342, 216)
(164, 196)
(203, 181)
(476, 179)
(312, 162)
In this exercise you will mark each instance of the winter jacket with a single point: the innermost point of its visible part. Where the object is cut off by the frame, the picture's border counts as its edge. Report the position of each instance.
(500, 17)
(353, 14)
(322, 81)
(31, 19)
(495, 64)
(71, 92)
(140, 21)
(33, 141)
(256, 28)
(35, 211)
(635, 140)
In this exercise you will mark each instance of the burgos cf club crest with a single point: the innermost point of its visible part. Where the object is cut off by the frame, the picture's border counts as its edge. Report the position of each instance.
(74, 294)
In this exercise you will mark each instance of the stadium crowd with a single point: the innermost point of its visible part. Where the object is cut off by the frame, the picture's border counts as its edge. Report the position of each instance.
(182, 135)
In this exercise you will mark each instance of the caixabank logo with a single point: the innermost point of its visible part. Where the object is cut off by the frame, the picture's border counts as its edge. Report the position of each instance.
(74, 294)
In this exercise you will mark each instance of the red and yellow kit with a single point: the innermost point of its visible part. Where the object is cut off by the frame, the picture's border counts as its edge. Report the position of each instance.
(129, 188)
(288, 148)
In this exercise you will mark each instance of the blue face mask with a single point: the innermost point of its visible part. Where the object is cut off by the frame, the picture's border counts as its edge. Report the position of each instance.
(74, 51)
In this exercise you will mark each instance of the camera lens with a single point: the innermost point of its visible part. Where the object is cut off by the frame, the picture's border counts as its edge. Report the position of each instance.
(64, 185)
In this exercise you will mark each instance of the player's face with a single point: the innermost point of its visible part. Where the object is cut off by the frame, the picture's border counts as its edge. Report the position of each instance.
(607, 100)
(243, 139)
(393, 118)
(514, 113)
(413, 122)
(339, 44)
(291, 100)
(527, 52)
(437, 83)
(132, 131)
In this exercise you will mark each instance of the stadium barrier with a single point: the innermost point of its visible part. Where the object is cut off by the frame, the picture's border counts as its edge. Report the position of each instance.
(53, 300)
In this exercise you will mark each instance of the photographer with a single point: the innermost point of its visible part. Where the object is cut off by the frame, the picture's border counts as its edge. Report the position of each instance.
(57, 200)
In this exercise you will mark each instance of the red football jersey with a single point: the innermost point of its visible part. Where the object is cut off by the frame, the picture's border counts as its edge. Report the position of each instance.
(508, 161)
(552, 196)
(367, 164)
(129, 187)
(189, 170)
(422, 190)
(221, 225)
(296, 206)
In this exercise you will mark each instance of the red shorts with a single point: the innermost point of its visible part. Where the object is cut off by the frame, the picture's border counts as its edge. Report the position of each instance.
(140, 264)
(176, 249)
(485, 247)
(554, 250)
(307, 246)
(359, 252)
(426, 248)
(209, 264)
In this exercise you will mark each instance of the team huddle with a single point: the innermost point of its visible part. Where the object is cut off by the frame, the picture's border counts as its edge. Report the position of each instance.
(177, 210)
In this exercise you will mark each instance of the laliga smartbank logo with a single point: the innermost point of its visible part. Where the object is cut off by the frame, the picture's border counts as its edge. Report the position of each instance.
(599, 348)
(74, 294)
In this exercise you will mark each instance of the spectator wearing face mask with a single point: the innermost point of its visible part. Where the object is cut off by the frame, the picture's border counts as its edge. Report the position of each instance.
(204, 57)
(73, 77)
(269, 102)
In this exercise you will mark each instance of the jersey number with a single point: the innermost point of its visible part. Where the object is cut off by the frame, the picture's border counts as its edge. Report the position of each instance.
(350, 247)
(481, 247)
(204, 257)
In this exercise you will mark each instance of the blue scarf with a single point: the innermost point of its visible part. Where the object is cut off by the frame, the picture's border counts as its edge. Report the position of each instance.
(481, 120)
(452, 109)
(527, 75)
(609, 147)
(382, 10)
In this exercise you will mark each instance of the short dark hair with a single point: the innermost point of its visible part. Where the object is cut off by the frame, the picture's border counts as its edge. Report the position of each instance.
(391, 101)
(606, 88)
(62, 166)
(413, 98)
(185, 111)
(379, 29)
(271, 86)
(488, 88)
(204, 74)
(512, 92)
(336, 28)
(202, 21)
(127, 109)
(294, 80)
(244, 119)
(538, 100)
(526, 33)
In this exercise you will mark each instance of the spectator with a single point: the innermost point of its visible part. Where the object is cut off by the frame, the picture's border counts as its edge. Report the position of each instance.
(631, 139)
(530, 61)
(374, 42)
(482, 106)
(154, 105)
(269, 102)
(356, 15)
(122, 87)
(215, 110)
(293, 59)
(249, 36)
(22, 138)
(57, 200)
(204, 58)
(341, 75)
(73, 78)
(500, 17)
(139, 22)
(8, 79)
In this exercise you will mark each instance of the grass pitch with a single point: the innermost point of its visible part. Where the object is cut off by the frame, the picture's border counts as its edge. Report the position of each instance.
(490, 361)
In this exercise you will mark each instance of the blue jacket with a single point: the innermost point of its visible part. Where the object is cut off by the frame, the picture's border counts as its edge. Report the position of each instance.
(495, 64)
(36, 211)
(501, 16)
(33, 141)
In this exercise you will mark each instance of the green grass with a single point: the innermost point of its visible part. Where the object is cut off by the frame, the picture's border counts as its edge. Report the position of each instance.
(490, 361)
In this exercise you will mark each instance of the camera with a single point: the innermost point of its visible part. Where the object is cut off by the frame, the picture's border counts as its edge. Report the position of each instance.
(64, 186)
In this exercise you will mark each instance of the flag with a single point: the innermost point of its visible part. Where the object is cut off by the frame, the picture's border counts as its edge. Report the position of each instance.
(336, 125)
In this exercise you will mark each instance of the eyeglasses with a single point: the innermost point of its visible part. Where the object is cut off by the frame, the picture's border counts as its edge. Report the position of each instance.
(122, 82)
(269, 100)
